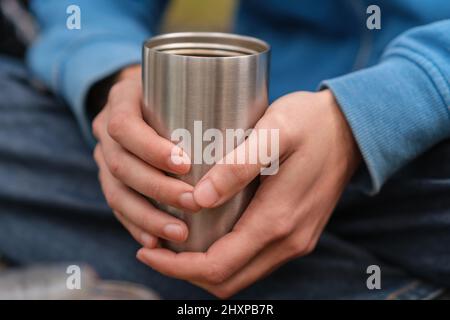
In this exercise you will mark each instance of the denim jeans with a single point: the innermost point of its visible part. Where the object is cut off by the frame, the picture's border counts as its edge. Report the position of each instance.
(52, 210)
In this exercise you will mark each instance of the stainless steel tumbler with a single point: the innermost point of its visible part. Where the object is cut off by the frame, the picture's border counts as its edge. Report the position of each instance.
(216, 78)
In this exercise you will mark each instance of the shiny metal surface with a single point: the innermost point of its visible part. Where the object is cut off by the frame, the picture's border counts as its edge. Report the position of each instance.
(219, 79)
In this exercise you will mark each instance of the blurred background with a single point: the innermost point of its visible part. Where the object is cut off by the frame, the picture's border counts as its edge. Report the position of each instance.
(199, 15)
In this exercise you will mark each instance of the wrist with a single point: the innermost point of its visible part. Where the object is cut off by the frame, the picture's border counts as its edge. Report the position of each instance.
(98, 94)
(344, 144)
(132, 72)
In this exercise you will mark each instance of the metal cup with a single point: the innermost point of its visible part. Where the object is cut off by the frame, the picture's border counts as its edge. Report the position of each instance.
(216, 78)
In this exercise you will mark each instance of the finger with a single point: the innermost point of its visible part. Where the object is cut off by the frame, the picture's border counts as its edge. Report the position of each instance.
(297, 237)
(225, 257)
(145, 179)
(238, 168)
(99, 124)
(136, 208)
(263, 222)
(265, 263)
(300, 243)
(145, 239)
(127, 127)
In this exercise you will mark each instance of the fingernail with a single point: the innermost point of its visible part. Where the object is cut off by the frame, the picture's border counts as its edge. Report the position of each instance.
(205, 194)
(187, 201)
(144, 255)
(141, 254)
(178, 159)
(147, 240)
(174, 232)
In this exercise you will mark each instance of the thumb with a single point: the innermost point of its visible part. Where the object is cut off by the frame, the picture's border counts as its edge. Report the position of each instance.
(259, 153)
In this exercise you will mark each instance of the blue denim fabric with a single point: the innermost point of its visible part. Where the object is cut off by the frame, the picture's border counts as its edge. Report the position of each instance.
(52, 209)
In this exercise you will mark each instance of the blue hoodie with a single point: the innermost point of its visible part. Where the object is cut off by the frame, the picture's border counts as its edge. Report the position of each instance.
(392, 84)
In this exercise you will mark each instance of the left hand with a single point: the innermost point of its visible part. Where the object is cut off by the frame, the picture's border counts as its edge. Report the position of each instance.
(318, 156)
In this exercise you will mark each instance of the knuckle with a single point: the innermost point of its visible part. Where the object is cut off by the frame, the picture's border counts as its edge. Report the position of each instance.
(112, 198)
(295, 248)
(117, 125)
(115, 165)
(222, 292)
(215, 274)
(279, 120)
(278, 115)
(145, 222)
(115, 91)
(281, 229)
(240, 172)
(300, 248)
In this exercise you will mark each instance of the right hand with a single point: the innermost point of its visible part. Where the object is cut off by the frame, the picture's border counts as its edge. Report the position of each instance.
(132, 159)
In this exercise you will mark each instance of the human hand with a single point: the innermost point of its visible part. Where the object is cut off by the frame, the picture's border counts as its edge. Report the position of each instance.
(132, 159)
(289, 211)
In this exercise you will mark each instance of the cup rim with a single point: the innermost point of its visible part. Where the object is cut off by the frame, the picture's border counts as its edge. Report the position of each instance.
(206, 45)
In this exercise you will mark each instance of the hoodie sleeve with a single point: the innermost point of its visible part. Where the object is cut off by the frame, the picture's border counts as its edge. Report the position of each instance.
(70, 61)
(400, 107)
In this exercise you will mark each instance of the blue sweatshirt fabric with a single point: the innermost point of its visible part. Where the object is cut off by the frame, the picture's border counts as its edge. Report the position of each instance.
(392, 84)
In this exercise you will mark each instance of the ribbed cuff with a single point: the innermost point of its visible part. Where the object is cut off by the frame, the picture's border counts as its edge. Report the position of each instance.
(395, 112)
(92, 61)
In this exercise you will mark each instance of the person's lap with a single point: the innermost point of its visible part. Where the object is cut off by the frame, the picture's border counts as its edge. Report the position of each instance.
(52, 209)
